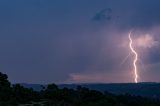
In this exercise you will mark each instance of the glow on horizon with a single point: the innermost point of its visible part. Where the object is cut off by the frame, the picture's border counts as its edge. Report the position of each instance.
(135, 59)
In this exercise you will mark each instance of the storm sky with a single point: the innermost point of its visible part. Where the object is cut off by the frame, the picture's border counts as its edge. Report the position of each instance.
(79, 41)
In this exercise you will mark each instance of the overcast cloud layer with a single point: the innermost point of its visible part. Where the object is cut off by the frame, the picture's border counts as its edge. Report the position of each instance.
(79, 41)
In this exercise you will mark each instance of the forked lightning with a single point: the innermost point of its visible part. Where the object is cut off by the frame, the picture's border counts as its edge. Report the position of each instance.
(135, 59)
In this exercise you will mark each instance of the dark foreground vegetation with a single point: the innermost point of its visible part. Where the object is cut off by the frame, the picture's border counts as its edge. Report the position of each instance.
(17, 95)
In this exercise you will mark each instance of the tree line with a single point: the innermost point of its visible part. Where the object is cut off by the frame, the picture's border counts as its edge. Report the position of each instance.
(13, 95)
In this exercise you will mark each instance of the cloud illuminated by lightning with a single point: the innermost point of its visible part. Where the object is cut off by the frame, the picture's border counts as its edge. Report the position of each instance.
(135, 59)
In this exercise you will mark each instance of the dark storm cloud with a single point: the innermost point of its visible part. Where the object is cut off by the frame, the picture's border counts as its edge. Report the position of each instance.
(47, 41)
(130, 14)
(103, 15)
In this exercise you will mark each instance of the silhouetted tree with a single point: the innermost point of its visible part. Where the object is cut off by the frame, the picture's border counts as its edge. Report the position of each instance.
(5, 89)
(24, 95)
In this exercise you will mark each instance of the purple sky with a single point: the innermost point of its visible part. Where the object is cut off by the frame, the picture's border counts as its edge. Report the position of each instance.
(79, 41)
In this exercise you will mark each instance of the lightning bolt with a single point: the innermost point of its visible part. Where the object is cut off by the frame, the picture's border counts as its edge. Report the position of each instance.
(135, 59)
